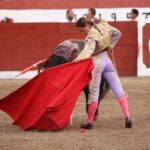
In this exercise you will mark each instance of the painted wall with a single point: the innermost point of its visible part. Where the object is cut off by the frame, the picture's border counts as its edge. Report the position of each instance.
(146, 45)
(59, 15)
(58, 4)
(24, 44)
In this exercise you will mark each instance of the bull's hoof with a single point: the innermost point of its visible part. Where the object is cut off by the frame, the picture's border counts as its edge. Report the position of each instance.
(87, 126)
(95, 117)
(128, 122)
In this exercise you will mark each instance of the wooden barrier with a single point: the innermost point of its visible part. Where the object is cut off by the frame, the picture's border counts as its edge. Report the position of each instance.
(146, 45)
(65, 4)
(23, 44)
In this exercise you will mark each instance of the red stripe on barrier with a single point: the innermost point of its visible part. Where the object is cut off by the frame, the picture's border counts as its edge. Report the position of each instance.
(146, 48)
(65, 4)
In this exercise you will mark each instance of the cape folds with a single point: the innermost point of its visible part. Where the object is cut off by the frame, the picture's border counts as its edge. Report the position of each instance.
(47, 101)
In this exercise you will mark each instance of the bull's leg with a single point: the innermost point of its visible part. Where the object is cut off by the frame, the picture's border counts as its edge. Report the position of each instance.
(86, 92)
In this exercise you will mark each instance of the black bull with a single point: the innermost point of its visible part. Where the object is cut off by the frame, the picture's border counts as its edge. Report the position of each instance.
(55, 60)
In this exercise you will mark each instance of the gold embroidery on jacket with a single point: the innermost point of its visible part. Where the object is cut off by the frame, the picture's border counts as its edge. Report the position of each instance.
(102, 38)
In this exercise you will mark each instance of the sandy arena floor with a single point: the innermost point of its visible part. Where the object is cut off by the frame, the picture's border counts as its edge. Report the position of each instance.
(108, 134)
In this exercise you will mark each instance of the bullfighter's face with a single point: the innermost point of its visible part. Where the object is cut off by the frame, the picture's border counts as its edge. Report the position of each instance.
(85, 29)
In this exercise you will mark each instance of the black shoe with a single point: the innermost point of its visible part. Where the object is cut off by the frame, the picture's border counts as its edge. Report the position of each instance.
(128, 122)
(87, 126)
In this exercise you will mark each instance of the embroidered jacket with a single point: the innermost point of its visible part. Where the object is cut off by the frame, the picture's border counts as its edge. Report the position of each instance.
(99, 38)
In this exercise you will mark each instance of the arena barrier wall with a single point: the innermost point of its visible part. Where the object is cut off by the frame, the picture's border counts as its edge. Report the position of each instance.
(59, 4)
(23, 44)
(146, 45)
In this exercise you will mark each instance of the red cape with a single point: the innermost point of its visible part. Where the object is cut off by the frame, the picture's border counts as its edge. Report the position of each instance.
(47, 101)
